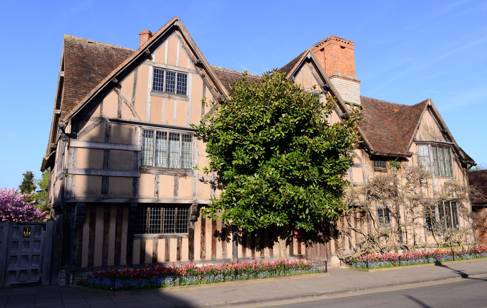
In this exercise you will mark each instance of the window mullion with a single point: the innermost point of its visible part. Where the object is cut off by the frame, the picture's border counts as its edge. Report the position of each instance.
(168, 149)
(176, 82)
(175, 219)
(180, 150)
(164, 81)
(154, 134)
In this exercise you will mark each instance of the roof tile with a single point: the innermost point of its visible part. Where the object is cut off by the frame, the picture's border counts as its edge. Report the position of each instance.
(86, 64)
(389, 127)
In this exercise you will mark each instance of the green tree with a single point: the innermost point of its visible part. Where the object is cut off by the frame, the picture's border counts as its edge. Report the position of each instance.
(278, 160)
(27, 186)
(41, 195)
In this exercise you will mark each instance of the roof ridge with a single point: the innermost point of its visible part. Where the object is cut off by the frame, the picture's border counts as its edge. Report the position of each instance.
(69, 36)
(393, 103)
(230, 70)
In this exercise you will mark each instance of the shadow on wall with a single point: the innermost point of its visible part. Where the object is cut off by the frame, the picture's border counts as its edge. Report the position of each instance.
(98, 191)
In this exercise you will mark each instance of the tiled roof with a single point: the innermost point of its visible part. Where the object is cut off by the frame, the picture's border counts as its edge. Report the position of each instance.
(228, 76)
(478, 186)
(389, 127)
(86, 64)
(287, 68)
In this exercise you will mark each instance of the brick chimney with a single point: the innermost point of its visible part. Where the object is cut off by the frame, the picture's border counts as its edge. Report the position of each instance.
(336, 56)
(144, 36)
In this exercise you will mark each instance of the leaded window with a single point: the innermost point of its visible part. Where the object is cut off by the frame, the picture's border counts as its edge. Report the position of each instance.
(384, 215)
(380, 165)
(174, 150)
(148, 148)
(436, 159)
(162, 219)
(424, 157)
(182, 83)
(167, 149)
(161, 149)
(187, 151)
(169, 81)
(442, 216)
(158, 80)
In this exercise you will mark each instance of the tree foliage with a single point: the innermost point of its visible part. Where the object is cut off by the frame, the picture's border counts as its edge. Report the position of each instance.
(28, 185)
(41, 195)
(279, 162)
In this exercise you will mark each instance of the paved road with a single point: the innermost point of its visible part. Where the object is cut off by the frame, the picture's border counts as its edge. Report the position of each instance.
(470, 292)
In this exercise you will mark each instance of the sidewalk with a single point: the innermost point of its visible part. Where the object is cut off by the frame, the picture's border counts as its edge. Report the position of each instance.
(337, 281)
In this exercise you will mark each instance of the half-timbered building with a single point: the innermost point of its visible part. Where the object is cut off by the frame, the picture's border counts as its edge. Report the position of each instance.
(127, 181)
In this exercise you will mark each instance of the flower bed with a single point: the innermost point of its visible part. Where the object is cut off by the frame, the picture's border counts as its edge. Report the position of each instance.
(190, 274)
(392, 259)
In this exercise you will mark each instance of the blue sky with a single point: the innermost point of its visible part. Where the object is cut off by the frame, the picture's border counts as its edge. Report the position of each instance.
(405, 51)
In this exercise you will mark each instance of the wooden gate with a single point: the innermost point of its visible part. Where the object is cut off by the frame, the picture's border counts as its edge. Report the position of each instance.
(25, 253)
(317, 252)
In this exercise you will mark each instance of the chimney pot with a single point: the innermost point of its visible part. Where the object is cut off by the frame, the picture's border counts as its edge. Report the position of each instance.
(144, 37)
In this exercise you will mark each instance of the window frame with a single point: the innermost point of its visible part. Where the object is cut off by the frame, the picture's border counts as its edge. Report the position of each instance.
(379, 164)
(147, 210)
(381, 217)
(175, 87)
(155, 150)
(445, 214)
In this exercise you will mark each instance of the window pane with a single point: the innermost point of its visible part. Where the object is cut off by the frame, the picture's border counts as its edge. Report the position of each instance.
(448, 163)
(154, 220)
(158, 80)
(182, 83)
(169, 220)
(182, 220)
(383, 215)
(161, 149)
(140, 221)
(424, 157)
(448, 216)
(148, 148)
(441, 160)
(454, 212)
(436, 167)
(170, 81)
(187, 156)
(379, 164)
(441, 214)
(174, 151)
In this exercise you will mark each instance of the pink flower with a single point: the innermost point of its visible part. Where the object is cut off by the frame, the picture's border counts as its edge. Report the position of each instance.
(14, 208)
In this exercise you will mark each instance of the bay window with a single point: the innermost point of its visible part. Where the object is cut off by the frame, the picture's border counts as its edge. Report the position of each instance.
(435, 159)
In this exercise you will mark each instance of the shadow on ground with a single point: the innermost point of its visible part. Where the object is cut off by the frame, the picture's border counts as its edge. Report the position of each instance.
(83, 297)
(460, 273)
